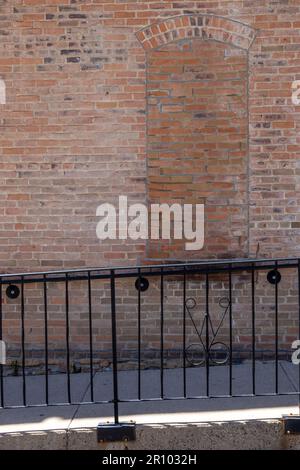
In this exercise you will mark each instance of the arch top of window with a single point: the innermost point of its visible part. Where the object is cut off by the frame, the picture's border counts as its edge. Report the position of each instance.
(206, 27)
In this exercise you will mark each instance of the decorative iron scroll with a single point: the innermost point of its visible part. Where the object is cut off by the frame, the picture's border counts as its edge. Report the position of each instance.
(216, 352)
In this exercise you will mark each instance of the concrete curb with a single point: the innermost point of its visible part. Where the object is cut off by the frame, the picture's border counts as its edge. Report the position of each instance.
(236, 435)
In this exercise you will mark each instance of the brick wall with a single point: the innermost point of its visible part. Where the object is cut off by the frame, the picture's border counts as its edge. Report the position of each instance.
(77, 128)
(197, 141)
(73, 129)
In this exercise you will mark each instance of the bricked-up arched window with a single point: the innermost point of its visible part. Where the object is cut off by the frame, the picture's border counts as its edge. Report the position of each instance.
(197, 128)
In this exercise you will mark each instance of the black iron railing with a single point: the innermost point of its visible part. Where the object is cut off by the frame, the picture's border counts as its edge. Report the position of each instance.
(205, 326)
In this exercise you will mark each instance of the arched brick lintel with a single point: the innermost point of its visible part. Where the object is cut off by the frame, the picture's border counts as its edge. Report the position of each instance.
(207, 27)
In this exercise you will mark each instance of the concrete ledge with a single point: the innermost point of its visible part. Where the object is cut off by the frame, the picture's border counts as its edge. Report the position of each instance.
(236, 435)
(245, 435)
(34, 440)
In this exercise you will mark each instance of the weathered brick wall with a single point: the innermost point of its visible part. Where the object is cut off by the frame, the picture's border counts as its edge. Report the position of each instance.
(74, 131)
(197, 141)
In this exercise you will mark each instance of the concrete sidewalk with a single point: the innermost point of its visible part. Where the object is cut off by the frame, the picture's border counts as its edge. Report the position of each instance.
(69, 420)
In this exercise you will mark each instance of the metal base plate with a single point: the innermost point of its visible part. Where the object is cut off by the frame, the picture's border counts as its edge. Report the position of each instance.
(291, 424)
(116, 432)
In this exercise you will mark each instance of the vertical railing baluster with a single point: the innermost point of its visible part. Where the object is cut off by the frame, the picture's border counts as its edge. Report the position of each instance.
(230, 330)
(23, 342)
(139, 334)
(161, 333)
(46, 339)
(114, 345)
(67, 336)
(253, 329)
(299, 331)
(276, 331)
(184, 333)
(1, 337)
(207, 345)
(91, 336)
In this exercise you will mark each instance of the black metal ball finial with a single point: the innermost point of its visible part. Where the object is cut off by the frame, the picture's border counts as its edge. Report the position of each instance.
(141, 284)
(274, 276)
(12, 292)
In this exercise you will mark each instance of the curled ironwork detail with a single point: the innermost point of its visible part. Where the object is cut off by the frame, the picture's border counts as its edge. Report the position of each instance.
(214, 351)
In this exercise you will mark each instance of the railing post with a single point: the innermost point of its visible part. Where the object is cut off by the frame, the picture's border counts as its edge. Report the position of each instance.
(230, 329)
(139, 335)
(91, 336)
(291, 422)
(207, 343)
(162, 332)
(23, 342)
(1, 365)
(46, 338)
(114, 346)
(116, 431)
(67, 308)
(298, 333)
(276, 334)
(184, 332)
(253, 308)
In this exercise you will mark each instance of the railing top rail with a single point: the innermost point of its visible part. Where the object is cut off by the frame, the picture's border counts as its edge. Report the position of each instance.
(206, 263)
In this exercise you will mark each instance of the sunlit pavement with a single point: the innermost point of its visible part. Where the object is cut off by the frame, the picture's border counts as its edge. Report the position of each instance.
(168, 411)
